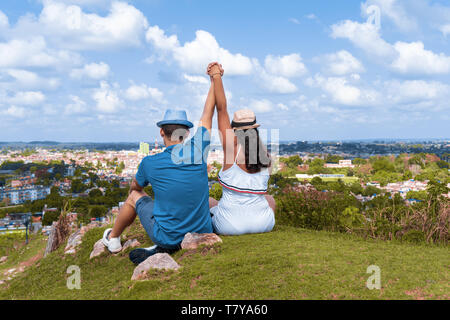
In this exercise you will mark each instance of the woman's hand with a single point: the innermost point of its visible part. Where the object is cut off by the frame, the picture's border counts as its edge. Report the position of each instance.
(214, 68)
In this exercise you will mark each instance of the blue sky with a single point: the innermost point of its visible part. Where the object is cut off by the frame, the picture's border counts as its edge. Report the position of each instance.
(98, 70)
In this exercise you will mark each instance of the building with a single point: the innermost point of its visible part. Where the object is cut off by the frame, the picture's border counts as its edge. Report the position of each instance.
(20, 195)
(144, 148)
(341, 164)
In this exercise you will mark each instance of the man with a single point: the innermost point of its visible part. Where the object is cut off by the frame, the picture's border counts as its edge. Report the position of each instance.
(180, 182)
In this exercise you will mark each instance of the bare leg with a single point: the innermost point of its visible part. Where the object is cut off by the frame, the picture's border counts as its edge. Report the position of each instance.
(127, 214)
(213, 202)
(271, 202)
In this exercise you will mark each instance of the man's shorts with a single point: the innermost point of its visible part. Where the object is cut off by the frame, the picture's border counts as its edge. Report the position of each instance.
(144, 209)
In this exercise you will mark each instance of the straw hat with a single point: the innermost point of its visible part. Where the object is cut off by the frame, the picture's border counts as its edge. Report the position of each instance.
(244, 119)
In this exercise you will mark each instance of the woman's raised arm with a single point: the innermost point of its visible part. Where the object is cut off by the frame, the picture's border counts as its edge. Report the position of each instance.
(226, 132)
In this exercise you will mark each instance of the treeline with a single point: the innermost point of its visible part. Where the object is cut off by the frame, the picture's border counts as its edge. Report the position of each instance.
(385, 169)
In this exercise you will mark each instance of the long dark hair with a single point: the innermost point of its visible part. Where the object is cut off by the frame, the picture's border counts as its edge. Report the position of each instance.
(256, 155)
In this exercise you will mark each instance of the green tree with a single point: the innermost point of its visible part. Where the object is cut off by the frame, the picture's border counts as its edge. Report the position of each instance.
(50, 217)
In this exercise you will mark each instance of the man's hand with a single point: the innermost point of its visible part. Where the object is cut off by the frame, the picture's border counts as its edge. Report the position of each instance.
(134, 186)
(214, 68)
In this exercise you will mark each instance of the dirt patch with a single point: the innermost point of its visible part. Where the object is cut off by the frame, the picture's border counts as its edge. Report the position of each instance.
(419, 294)
(32, 260)
(202, 250)
(194, 282)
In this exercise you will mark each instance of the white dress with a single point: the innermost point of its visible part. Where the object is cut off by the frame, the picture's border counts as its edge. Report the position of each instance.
(243, 207)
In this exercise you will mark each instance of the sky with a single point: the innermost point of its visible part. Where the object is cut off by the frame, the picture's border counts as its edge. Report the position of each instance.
(105, 71)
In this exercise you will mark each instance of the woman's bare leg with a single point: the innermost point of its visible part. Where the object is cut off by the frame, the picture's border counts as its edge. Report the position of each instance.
(127, 214)
(271, 202)
(213, 202)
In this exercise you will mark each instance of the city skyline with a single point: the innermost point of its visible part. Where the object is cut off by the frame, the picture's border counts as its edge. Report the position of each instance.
(105, 71)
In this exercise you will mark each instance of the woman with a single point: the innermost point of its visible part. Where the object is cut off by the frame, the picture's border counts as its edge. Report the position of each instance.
(244, 206)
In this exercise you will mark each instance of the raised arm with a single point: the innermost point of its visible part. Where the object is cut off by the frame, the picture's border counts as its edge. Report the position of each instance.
(208, 110)
(226, 132)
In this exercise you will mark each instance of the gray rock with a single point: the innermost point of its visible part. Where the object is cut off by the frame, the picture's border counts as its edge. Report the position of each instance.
(132, 243)
(161, 261)
(3, 259)
(73, 242)
(194, 240)
(99, 248)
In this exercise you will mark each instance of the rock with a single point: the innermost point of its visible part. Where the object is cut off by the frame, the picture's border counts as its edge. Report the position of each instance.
(156, 261)
(132, 243)
(70, 251)
(194, 240)
(10, 271)
(2, 282)
(99, 248)
(3, 259)
(73, 242)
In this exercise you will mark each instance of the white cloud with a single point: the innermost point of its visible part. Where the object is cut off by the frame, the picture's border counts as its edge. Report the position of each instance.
(69, 26)
(27, 98)
(194, 56)
(413, 58)
(76, 106)
(142, 92)
(4, 22)
(445, 29)
(29, 80)
(344, 93)
(282, 106)
(287, 66)
(95, 71)
(261, 106)
(275, 84)
(363, 35)
(393, 10)
(33, 53)
(415, 91)
(196, 79)
(402, 57)
(14, 111)
(294, 21)
(342, 63)
(107, 99)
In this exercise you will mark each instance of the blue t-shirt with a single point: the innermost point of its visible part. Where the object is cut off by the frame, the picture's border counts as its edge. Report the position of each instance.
(179, 178)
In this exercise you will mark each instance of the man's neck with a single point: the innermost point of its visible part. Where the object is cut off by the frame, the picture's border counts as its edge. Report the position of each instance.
(171, 143)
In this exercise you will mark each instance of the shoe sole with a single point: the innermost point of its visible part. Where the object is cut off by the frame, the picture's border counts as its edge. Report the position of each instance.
(140, 255)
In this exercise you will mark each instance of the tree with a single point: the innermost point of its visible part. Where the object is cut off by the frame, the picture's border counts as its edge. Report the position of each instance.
(359, 161)
(292, 162)
(97, 211)
(333, 158)
(78, 186)
(95, 193)
(50, 217)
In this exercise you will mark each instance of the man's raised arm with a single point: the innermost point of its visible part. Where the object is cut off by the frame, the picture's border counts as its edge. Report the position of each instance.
(208, 110)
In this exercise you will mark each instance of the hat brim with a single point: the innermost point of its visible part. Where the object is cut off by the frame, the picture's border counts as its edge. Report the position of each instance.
(182, 122)
(246, 127)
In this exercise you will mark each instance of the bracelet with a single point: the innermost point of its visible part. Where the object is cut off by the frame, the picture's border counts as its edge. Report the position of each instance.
(215, 74)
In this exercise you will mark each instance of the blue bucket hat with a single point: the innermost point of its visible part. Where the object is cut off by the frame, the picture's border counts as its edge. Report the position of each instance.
(175, 117)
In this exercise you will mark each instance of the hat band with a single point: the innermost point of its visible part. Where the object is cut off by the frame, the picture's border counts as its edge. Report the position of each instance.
(242, 124)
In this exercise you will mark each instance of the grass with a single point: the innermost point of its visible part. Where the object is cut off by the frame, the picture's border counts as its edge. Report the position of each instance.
(288, 263)
(18, 253)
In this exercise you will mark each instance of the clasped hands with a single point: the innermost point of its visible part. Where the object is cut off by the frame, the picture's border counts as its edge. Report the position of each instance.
(214, 68)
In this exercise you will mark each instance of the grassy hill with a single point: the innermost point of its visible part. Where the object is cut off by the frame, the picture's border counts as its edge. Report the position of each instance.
(288, 263)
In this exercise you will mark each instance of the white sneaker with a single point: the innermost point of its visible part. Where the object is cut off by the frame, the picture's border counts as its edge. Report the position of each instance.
(113, 244)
